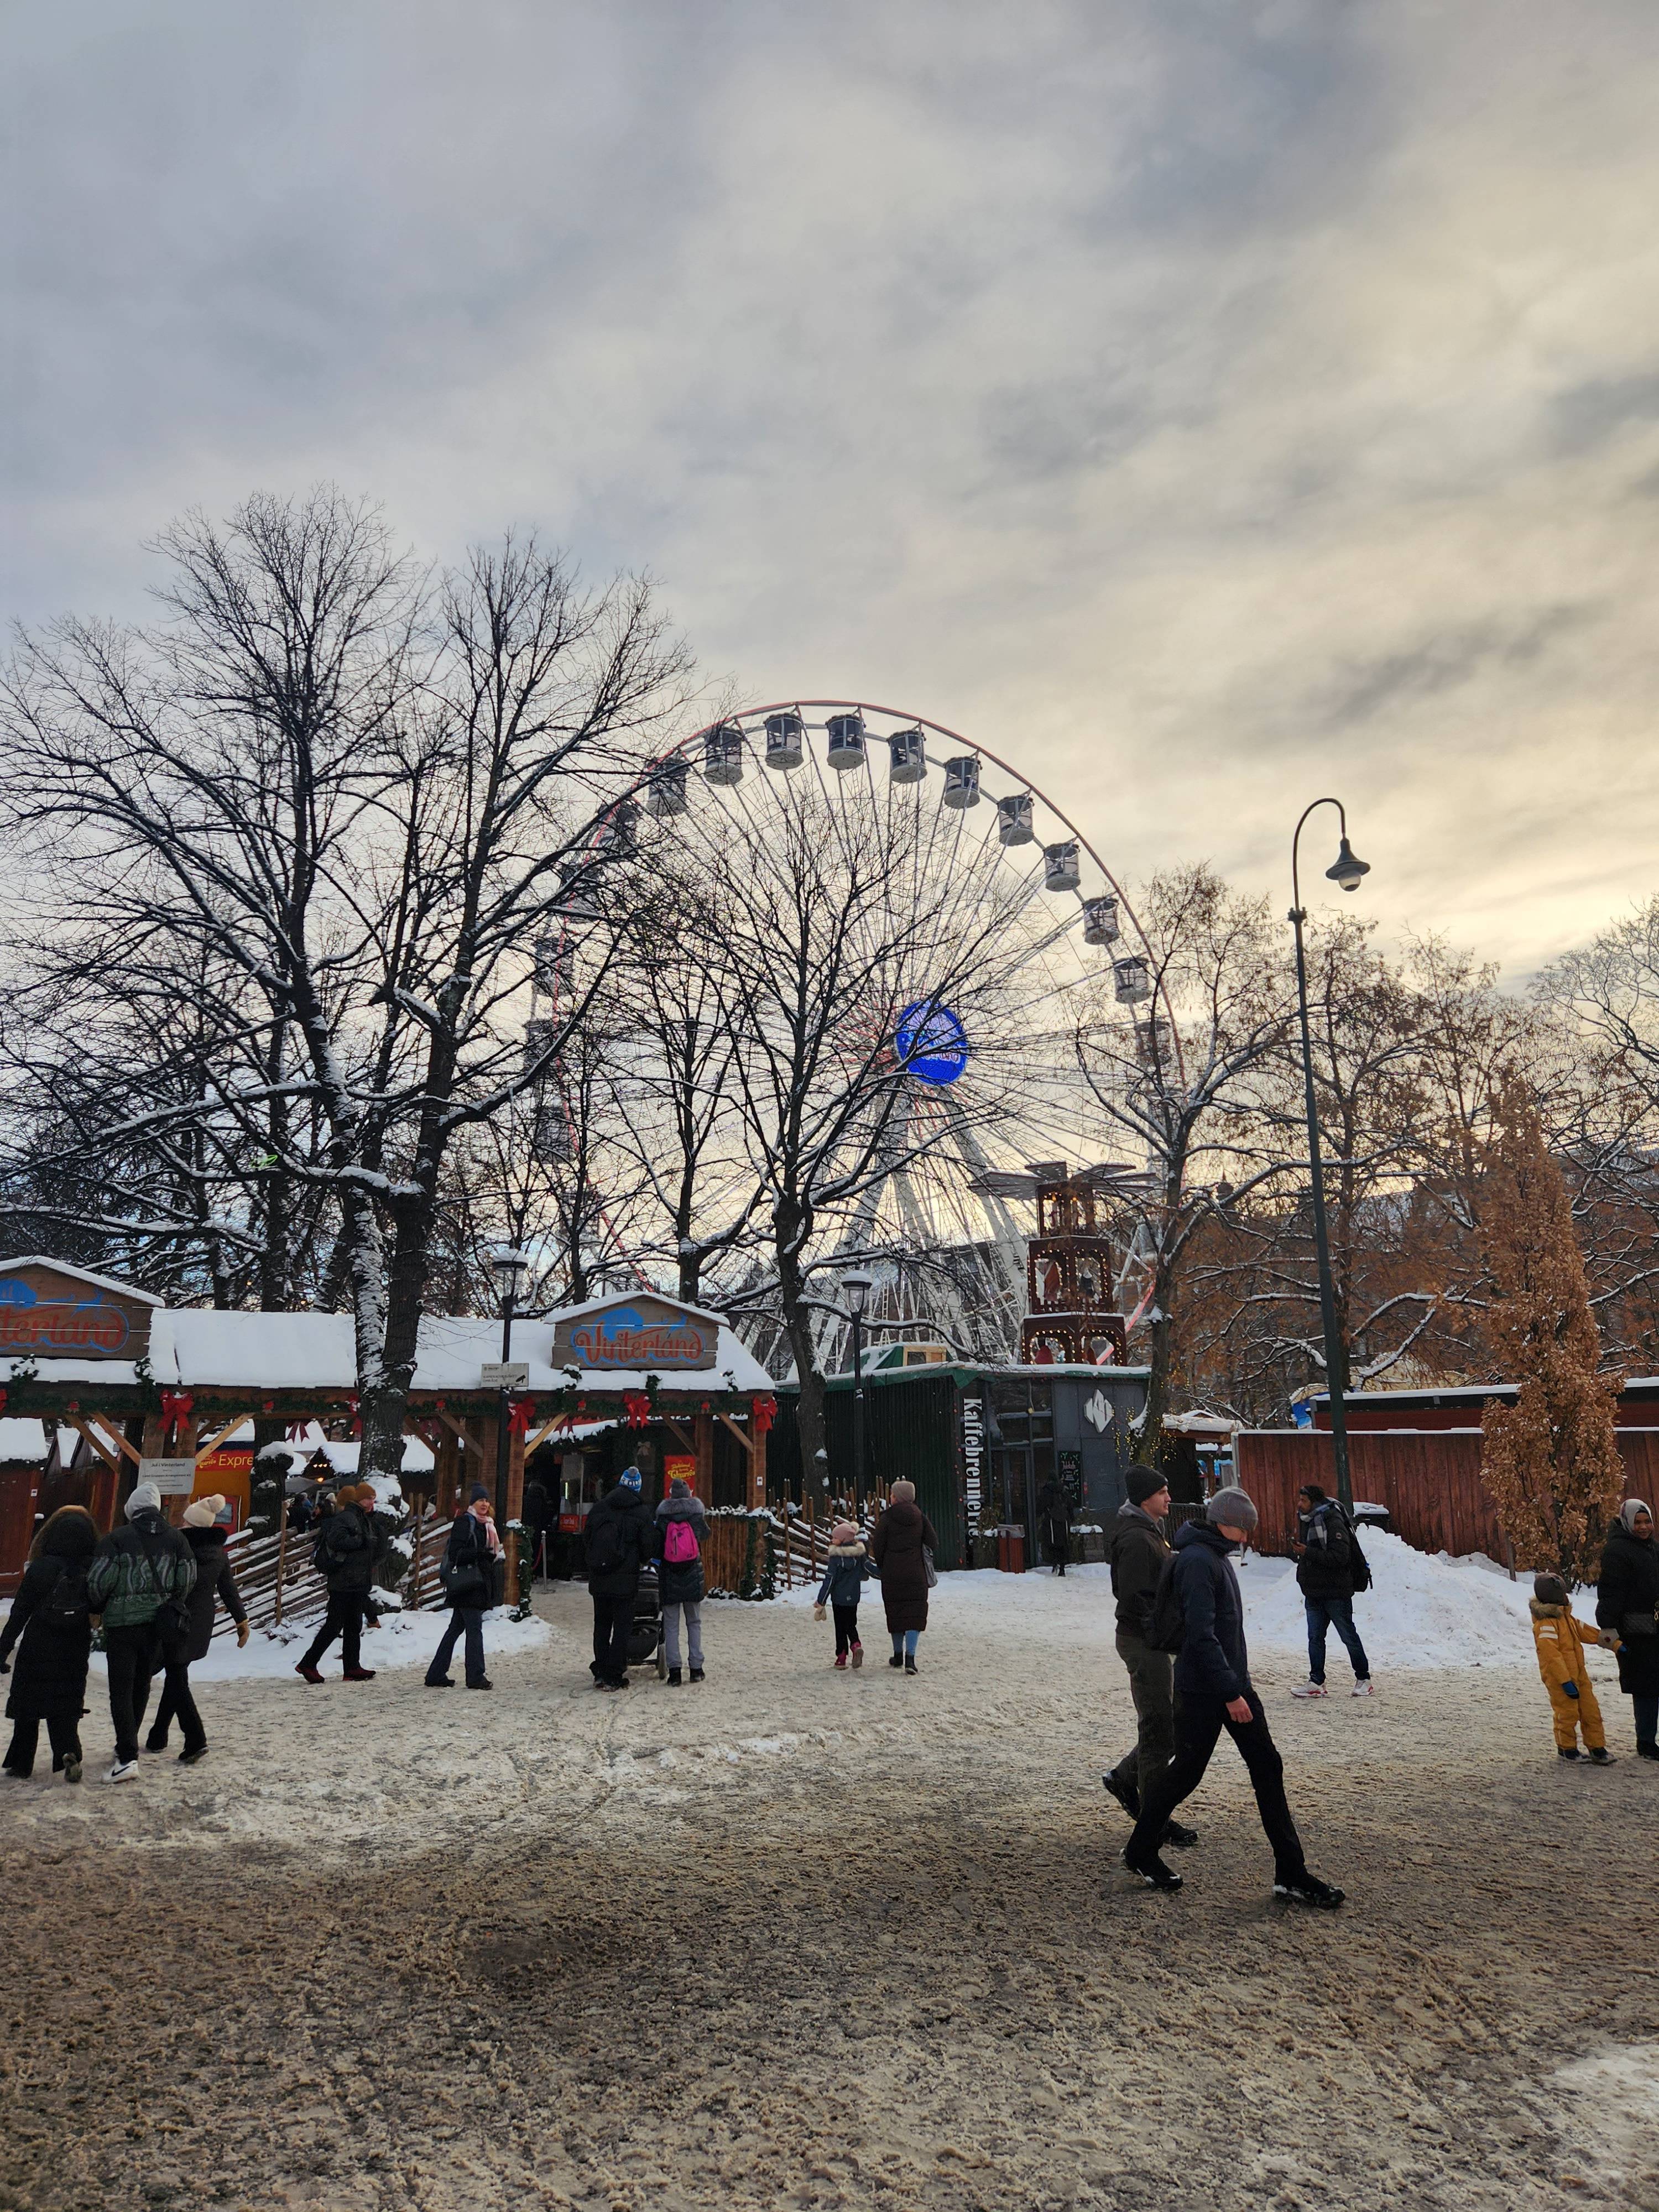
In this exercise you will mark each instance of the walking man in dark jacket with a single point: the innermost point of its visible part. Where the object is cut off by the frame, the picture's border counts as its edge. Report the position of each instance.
(138, 1581)
(346, 1552)
(620, 1541)
(1213, 1683)
(1054, 1521)
(1137, 1550)
(1325, 1577)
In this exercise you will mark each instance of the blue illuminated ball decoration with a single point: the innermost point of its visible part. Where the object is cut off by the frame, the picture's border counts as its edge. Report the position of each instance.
(932, 1043)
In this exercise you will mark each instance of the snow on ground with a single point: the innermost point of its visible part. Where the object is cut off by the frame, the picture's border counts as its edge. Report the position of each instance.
(399, 1639)
(1422, 1611)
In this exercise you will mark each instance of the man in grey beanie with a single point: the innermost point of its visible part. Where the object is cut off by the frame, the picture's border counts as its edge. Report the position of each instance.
(1212, 1684)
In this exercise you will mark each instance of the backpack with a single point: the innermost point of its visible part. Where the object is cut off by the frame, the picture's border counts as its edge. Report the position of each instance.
(171, 1614)
(679, 1544)
(604, 1547)
(322, 1553)
(1358, 1566)
(67, 1606)
(1166, 1629)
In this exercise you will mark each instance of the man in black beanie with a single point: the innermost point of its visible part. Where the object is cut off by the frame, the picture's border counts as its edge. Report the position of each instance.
(1137, 1550)
(1212, 1680)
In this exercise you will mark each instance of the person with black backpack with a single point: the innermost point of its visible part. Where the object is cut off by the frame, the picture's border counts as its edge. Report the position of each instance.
(1198, 1613)
(51, 1616)
(346, 1553)
(467, 1571)
(619, 1543)
(1330, 1569)
(140, 1580)
(682, 1525)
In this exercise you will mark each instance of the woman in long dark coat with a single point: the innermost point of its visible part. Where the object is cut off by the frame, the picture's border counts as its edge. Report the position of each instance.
(50, 1683)
(896, 1548)
(206, 1528)
(1627, 1602)
(1054, 1522)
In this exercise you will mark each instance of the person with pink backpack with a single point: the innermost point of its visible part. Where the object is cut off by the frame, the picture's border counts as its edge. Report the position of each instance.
(682, 1525)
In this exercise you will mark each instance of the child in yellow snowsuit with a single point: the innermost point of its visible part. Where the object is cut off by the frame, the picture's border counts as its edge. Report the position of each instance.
(1561, 1640)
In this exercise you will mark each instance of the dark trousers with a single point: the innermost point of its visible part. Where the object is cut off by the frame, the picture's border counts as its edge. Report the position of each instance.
(468, 1618)
(1335, 1612)
(846, 1627)
(135, 1656)
(1645, 1712)
(613, 1617)
(1152, 1685)
(64, 1737)
(344, 1619)
(1199, 1723)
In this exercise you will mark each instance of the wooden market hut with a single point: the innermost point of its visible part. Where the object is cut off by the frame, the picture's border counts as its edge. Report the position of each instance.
(139, 1381)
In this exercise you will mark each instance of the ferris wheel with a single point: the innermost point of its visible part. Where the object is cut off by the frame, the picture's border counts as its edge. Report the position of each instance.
(986, 930)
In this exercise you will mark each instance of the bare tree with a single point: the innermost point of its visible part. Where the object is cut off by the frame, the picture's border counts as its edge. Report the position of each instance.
(361, 797)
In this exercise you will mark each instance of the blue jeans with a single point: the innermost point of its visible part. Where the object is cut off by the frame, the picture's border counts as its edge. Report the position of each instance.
(904, 1642)
(469, 1617)
(1335, 1612)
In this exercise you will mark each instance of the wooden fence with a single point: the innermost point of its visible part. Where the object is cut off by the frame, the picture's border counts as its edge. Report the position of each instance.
(279, 1583)
(1429, 1479)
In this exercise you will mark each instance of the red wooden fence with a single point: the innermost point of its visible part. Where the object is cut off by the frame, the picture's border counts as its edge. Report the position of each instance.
(1429, 1479)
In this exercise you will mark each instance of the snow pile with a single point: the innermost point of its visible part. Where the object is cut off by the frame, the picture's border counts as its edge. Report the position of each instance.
(1421, 1611)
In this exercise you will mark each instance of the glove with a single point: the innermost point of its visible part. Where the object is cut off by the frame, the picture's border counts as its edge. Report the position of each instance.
(818, 1612)
(243, 1632)
(1571, 1688)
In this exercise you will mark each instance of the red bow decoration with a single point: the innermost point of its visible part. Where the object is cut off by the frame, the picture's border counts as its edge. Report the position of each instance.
(764, 1411)
(636, 1408)
(519, 1415)
(176, 1408)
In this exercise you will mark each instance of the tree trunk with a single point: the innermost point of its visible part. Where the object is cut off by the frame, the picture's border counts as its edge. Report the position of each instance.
(793, 1225)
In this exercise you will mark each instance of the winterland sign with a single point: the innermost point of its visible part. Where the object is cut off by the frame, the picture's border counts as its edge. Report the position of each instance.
(636, 1333)
(50, 1310)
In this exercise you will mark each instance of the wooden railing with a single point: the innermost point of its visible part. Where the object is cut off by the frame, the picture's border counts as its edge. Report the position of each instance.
(278, 1583)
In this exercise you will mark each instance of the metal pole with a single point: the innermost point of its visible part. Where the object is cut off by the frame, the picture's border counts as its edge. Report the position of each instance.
(1334, 1354)
(860, 1474)
(503, 1412)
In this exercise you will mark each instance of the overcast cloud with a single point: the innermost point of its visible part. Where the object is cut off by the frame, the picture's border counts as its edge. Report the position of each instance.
(1205, 406)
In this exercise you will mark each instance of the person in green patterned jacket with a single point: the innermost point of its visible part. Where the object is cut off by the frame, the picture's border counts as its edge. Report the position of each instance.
(138, 1580)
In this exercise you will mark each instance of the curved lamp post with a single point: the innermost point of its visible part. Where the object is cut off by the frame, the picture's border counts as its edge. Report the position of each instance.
(1346, 870)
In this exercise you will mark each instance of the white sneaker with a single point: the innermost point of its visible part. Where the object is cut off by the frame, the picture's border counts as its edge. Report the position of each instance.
(1310, 1690)
(123, 1771)
(1363, 1689)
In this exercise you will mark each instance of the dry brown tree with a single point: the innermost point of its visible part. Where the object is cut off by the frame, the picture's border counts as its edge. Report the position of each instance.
(1551, 1460)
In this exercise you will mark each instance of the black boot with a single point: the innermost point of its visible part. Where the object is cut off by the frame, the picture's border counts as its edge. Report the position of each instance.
(1647, 1750)
(1153, 1872)
(1129, 1799)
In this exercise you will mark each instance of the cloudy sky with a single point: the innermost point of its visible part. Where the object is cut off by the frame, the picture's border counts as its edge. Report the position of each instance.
(1204, 405)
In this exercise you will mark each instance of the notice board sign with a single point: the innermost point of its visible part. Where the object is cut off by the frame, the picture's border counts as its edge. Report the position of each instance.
(173, 1478)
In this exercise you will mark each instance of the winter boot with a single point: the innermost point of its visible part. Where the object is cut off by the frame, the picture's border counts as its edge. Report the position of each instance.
(1602, 1757)
(1566, 1750)
(1153, 1872)
(440, 1681)
(1307, 1889)
(676, 1680)
(858, 1655)
(840, 1663)
(910, 1667)
(898, 1659)
(1128, 1798)
(307, 1671)
(358, 1674)
(696, 1673)
(1175, 1837)
(1647, 1750)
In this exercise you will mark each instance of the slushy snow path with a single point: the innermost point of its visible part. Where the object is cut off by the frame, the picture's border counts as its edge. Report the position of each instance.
(845, 1941)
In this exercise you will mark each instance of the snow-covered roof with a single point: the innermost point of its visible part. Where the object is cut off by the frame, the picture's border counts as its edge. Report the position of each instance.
(343, 1458)
(604, 1304)
(196, 1348)
(22, 1440)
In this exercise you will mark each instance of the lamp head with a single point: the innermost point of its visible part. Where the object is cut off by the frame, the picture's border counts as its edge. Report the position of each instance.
(509, 1267)
(856, 1286)
(1348, 868)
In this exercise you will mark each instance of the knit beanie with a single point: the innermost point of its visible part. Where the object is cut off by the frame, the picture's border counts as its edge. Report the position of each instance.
(679, 1487)
(145, 1499)
(630, 1478)
(903, 1493)
(346, 1494)
(1144, 1482)
(1549, 1590)
(477, 1493)
(202, 1512)
(1233, 1507)
(843, 1533)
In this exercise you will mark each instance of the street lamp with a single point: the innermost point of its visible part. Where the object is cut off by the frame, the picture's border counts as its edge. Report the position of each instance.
(508, 1267)
(1347, 870)
(855, 1287)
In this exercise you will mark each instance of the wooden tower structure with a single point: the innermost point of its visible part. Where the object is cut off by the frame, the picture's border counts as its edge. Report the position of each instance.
(1069, 1274)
